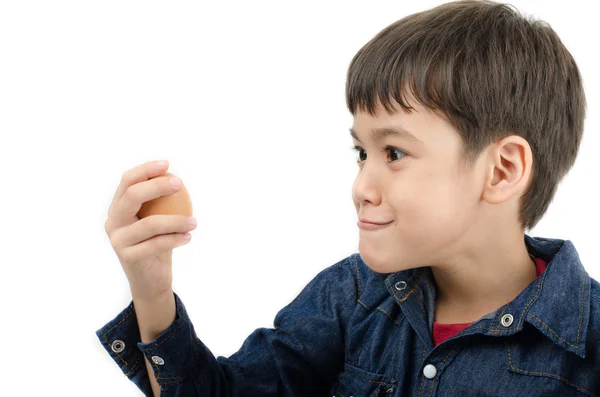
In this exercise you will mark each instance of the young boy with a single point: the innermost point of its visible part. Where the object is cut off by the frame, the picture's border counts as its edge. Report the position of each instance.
(466, 118)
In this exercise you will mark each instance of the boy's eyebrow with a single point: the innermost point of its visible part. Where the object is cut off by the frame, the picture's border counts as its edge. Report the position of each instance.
(382, 132)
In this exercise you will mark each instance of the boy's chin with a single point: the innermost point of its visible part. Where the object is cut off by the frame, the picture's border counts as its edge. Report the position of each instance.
(380, 263)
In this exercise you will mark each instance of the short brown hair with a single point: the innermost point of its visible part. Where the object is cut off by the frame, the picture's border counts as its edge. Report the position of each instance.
(491, 73)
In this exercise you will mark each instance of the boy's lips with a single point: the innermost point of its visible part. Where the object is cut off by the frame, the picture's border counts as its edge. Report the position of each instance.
(373, 222)
(371, 226)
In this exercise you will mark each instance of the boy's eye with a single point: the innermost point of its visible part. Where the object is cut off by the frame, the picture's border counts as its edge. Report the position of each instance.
(388, 149)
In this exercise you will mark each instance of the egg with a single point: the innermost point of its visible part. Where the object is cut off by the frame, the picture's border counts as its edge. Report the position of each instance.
(178, 203)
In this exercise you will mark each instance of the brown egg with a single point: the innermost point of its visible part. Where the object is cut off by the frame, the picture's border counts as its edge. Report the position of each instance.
(178, 203)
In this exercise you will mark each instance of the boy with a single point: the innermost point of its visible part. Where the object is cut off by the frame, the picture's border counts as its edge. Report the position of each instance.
(466, 118)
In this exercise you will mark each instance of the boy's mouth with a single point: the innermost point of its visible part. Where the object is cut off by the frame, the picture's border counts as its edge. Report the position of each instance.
(373, 222)
(371, 226)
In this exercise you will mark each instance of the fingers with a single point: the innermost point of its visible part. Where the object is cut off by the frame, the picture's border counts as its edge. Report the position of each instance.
(136, 195)
(151, 226)
(135, 175)
(125, 210)
(154, 247)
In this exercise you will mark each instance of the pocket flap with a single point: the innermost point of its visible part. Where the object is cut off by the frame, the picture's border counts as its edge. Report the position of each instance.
(357, 382)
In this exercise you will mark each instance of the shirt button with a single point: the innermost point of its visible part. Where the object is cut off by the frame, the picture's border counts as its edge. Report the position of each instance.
(429, 371)
(400, 285)
(158, 360)
(507, 320)
(118, 346)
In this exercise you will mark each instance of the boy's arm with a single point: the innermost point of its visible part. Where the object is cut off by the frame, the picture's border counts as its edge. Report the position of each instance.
(300, 356)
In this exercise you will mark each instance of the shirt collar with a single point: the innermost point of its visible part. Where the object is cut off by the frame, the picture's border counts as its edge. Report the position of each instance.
(557, 302)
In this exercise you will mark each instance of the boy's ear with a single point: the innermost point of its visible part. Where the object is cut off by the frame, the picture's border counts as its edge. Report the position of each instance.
(509, 169)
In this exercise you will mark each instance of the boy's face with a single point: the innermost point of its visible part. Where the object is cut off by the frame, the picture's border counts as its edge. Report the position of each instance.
(419, 187)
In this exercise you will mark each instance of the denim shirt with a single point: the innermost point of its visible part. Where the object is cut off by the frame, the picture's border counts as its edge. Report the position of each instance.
(352, 332)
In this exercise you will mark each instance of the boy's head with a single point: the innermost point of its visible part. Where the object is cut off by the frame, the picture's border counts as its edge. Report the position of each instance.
(497, 104)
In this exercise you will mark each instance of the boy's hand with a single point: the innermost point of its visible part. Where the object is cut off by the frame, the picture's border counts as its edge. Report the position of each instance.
(145, 247)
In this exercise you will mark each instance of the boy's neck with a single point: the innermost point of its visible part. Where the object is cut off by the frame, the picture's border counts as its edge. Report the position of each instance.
(464, 294)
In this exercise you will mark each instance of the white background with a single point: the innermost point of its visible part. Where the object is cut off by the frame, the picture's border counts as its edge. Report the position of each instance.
(246, 100)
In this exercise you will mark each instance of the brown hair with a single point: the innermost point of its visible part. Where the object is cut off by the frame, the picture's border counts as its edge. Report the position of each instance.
(489, 72)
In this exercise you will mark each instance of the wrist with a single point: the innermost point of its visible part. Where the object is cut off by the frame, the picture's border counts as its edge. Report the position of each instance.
(154, 316)
(142, 294)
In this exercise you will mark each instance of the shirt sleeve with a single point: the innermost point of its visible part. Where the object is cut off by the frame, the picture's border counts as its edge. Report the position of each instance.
(300, 356)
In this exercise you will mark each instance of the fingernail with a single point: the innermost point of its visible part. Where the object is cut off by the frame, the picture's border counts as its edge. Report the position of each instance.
(192, 221)
(160, 163)
(176, 182)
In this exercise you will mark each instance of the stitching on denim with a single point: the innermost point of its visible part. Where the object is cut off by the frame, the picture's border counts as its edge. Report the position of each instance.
(497, 331)
(420, 303)
(581, 308)
(361, 378)
(451, 351)
(414, 288)
(338, 385)
(176, 379)
(524, 310)
(173, 333)
(537, 292)
(497, 324)
(422, 377)
(440, 364)
(106, 339)
(408, 293)
(364, 304)
(387, 314)
(546, 374)
(340, 393)
(133, 367)
(580, 318)
(431, 388)
(421, 388)
(357, 275)
(596, 296)
(551, 330)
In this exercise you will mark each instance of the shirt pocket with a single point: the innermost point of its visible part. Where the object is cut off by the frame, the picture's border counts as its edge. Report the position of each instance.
(357, 382)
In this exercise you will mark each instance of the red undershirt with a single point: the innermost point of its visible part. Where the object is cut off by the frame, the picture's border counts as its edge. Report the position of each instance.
(441, 332)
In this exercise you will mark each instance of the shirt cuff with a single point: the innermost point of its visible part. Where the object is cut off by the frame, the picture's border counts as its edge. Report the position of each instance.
(170, 353)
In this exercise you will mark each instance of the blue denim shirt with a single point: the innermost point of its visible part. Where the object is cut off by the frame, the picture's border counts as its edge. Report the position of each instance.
(354, 332)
